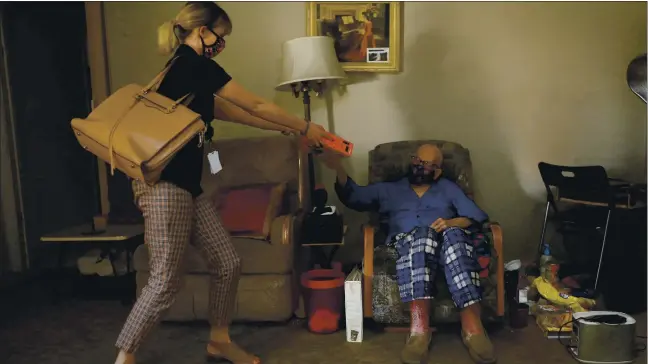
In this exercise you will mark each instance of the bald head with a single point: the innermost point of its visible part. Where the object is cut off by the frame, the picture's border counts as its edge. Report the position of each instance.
(430, 153)
(426, 165)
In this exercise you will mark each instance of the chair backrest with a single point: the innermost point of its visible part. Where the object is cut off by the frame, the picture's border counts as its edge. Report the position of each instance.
(389, 162)
(584, 183)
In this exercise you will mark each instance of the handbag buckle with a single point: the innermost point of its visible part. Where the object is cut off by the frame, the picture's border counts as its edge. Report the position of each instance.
(201, 139)
(171, 109)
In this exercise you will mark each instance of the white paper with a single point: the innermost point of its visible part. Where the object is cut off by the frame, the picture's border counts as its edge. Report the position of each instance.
(214, 162)
(353, 306)
(523, 295)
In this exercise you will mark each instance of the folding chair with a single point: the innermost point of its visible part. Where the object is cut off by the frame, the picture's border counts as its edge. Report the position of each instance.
(587, 185)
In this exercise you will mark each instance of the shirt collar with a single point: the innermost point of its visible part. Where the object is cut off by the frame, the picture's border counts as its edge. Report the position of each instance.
(404, 181)
(185, 50)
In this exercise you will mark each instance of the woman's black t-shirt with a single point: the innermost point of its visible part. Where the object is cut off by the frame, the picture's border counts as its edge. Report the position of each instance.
(192, 73)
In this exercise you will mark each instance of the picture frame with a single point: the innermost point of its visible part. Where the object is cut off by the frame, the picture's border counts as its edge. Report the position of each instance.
(367, 34)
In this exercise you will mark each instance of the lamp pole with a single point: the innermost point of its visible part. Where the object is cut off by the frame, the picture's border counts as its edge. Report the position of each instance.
(303, 89)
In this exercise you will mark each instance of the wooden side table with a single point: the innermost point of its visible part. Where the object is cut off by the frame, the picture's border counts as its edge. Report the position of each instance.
(116, 237)
(320, 256)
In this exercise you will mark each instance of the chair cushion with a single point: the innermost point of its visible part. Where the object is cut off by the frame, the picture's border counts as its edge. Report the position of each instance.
(483, 252)
(248, 211)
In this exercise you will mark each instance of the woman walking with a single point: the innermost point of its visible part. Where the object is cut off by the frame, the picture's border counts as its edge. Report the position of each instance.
(175, 210)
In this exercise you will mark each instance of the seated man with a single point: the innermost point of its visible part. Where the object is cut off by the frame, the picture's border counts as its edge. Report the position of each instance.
(427, 217)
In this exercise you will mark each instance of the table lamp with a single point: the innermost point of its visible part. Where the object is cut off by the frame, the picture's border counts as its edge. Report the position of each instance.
(309, 64)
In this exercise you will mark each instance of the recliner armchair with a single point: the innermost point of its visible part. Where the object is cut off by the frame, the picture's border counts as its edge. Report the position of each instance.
(381, 298)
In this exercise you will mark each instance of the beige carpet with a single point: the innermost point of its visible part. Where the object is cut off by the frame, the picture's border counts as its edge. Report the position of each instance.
(83, 332)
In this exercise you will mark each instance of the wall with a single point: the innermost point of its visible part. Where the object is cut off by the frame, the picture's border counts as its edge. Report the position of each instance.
(516, 83)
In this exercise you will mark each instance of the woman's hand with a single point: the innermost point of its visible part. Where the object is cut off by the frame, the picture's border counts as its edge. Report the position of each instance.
(315, 134)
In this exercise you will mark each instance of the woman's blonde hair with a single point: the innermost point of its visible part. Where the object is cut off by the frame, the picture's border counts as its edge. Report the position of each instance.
(194, 14)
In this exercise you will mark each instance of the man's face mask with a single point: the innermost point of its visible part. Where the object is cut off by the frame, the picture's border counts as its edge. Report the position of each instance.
(422, 172)
(212, 50)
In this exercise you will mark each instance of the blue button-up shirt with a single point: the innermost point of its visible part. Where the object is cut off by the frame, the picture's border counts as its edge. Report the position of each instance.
(404, 208)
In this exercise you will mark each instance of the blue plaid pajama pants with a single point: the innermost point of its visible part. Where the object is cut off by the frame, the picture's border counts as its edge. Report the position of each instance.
(421, 252)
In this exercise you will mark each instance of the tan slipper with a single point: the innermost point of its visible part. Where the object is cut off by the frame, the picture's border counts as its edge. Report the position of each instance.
(416, 349)
(479, 347)
(232, 353)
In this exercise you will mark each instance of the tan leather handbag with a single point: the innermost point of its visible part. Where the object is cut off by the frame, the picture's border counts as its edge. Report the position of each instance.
(138, 131)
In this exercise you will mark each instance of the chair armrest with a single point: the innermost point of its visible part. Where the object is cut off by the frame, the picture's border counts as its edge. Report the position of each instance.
(496, 229)
(498, 245)
(282, 231)
(368, 232)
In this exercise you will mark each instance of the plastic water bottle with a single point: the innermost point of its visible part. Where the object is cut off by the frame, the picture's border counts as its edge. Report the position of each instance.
(545, 259)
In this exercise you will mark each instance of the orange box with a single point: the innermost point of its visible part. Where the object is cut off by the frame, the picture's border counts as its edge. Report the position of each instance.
(337, 145)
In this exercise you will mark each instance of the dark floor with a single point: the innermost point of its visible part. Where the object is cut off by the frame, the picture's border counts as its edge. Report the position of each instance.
(83, 332)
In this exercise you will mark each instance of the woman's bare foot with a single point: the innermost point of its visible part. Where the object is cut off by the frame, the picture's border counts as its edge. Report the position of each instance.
(231, 352)
(125, 358)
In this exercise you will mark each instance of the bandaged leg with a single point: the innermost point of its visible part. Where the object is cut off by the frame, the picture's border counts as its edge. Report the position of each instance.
(420, 316)
(462, 275)
(415, 267)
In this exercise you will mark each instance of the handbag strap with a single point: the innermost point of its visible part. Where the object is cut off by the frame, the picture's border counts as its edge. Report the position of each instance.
(112, 133)
(152, 86)
(155, 84)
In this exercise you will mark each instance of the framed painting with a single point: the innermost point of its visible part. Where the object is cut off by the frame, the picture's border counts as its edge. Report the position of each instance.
(367, 34)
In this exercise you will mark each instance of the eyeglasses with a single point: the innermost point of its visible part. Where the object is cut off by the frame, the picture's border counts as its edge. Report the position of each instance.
(220, 41)
(426, 164)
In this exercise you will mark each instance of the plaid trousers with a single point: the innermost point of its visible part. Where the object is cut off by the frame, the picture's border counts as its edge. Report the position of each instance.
(420, 253)
(172, 219)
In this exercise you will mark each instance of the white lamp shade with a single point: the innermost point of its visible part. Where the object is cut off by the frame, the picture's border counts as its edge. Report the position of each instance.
(309, 59)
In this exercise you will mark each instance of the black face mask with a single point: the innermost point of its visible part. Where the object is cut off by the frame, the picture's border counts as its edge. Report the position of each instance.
(212, 50)
(418, 175)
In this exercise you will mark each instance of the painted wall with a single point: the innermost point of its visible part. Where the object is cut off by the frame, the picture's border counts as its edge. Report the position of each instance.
(516, 83)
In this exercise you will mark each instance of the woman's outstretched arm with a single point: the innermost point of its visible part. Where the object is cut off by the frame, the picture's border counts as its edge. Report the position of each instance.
(266, 110)
(226, 111)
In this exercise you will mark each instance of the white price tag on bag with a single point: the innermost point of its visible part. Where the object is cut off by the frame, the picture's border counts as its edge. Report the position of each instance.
(214, 162)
